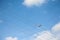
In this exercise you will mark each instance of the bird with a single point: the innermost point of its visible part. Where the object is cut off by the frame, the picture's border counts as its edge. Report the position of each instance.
(38, 25)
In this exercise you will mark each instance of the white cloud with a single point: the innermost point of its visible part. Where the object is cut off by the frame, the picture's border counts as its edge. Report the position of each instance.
(30, 3)
(45, 35)
(11, 38)
(56, 28)
(49, 35)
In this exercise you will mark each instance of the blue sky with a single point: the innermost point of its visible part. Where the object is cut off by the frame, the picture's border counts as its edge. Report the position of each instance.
(19, 20)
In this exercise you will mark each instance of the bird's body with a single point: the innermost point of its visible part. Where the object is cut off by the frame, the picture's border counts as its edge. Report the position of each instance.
(38, 25)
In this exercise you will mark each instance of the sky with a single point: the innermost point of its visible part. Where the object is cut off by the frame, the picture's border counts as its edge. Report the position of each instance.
(19, 19)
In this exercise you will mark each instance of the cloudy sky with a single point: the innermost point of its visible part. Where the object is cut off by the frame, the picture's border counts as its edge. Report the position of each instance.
(19, 19)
